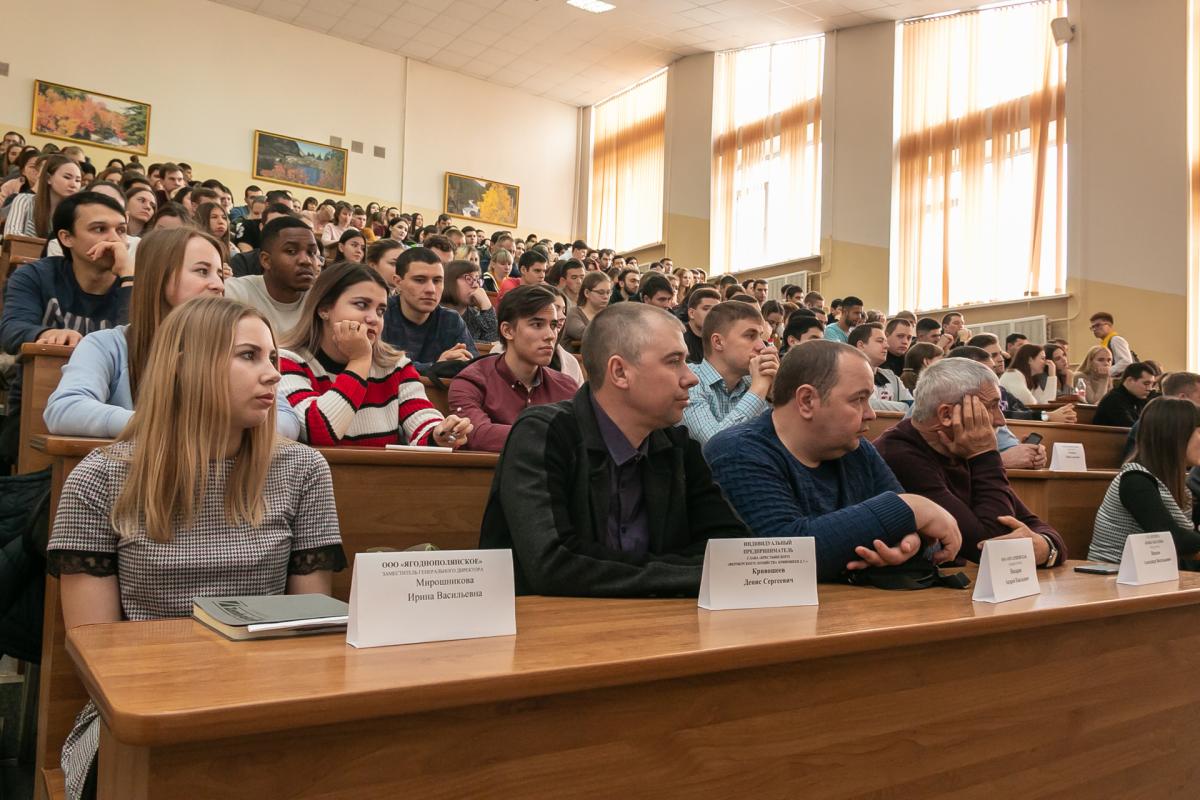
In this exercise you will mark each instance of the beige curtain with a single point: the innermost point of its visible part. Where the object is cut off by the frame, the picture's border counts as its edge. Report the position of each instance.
(766, 164)
(1193, 116)
(626, 210)
(981, 158)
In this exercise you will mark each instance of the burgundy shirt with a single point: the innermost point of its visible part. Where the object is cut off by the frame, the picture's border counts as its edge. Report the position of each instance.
(488, 394)
(974, 491)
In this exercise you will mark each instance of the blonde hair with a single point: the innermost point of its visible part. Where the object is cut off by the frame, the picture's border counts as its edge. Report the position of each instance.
(1097, 385)
(325, 291)
(181, 425)
(159, 260)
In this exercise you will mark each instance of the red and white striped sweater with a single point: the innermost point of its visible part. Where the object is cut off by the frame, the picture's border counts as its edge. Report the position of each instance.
(336, 407)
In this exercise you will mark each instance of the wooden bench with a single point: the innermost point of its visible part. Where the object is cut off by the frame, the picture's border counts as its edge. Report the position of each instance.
(41, 366)
(431, 497)
(16, 250)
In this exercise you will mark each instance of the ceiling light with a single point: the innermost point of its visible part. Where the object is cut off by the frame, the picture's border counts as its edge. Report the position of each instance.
(594, 6)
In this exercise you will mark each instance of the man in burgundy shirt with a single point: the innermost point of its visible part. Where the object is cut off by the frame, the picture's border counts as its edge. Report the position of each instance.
(493, 390)
(947, 453)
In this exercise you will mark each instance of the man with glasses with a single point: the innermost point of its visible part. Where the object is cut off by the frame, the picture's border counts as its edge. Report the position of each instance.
(1102, 329)
(495, 389)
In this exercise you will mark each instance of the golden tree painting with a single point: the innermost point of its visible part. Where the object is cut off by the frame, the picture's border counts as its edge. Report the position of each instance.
(79, 115)
(482, 200)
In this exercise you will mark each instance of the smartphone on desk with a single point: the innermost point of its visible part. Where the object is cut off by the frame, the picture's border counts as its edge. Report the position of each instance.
(1099, 569)
(1033, 438)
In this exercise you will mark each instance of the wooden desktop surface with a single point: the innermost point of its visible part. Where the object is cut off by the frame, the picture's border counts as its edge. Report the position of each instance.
(605, 698)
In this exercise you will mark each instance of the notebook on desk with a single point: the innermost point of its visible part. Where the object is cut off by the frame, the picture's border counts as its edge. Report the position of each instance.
(267, 616)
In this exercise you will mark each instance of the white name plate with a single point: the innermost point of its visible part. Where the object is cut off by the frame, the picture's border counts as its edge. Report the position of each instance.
(759, 573)
(1007, 570)
(1148, 558)
(408, 597)
(1066, 457)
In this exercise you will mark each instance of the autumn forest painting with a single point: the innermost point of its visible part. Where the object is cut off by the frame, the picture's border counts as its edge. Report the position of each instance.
(482, 200)
(78, 115)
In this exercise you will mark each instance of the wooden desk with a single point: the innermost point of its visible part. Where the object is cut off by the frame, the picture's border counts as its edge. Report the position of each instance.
(1073, 693)
(426, 497)
(884, 420)
(41, 366)
(1102, 444)
(16, 250)
(1084, 412)
(1066, 500)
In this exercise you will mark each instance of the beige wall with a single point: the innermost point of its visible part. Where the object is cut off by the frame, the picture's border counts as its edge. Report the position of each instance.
(689, 160)
(207, 117)
(516, 138)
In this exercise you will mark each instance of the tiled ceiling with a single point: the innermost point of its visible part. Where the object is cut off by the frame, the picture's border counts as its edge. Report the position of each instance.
(548, 48)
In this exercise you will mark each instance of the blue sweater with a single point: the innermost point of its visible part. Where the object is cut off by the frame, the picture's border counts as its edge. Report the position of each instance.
(43, 295)
(424, 343)
(93, 398)
(842, 504)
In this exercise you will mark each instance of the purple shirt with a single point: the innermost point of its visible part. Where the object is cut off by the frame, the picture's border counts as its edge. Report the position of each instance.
(628, 527)
(487, 393)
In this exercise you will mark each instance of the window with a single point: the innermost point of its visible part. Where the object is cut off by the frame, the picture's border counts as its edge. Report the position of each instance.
(980, 204)
(1193, 118)
(626, 210)
(766, 200)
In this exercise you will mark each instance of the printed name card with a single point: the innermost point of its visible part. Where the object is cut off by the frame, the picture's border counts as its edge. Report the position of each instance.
(759, 573)
(1007, 570)
(1148, 558)
(1067, 457)
(408, 597)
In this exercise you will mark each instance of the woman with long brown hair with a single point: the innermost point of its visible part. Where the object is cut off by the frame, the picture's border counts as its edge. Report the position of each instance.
(347, 386)
(30, 214)
(1021, 379)
(1150, 493)
(198, 497)
(99, 386)
(593, 298)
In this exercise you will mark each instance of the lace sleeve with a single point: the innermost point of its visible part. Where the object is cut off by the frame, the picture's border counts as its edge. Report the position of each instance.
(330, 557)
(81, 562)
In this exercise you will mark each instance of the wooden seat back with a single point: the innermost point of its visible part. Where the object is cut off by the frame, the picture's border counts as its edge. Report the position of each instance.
(42, 369)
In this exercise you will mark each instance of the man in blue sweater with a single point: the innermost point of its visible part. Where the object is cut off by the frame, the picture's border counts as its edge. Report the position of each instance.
(805, 470)
(416, 323)
(59, 299)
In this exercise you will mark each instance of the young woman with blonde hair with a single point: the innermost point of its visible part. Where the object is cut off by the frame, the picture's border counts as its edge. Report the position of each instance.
(198, 496)
(95, 396)
(347, 386)
(1096, 371)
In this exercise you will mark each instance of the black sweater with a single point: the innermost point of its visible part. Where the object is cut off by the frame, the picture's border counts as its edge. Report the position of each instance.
(1139, 495)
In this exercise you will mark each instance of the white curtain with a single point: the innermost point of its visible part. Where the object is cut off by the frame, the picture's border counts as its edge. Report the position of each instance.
(981, 158)
(626, 210)
(766, 198)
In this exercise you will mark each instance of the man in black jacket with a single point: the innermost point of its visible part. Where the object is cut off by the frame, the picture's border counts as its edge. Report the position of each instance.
(1123, 405)
(604, 495)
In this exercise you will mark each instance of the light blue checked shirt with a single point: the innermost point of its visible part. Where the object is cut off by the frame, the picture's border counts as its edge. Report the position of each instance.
(713, 408)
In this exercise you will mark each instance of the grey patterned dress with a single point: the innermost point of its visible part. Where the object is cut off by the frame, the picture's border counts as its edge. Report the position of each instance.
(158, 580)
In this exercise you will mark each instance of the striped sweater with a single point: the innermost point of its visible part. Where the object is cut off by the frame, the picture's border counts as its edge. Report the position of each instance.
(336, 407)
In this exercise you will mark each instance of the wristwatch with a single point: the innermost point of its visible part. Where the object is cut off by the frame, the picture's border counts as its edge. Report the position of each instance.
(1045, 416)
(1053, 557)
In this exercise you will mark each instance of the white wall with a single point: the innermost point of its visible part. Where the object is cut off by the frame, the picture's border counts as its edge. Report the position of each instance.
(201, 113)
(285, 79)
(515, 138)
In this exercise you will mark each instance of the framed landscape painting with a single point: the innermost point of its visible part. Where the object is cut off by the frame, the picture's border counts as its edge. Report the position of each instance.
(299, 162)
(482, 200)
(85, 117)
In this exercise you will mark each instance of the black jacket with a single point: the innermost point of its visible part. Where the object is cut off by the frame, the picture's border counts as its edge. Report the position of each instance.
(1118, 408)
(549, 503)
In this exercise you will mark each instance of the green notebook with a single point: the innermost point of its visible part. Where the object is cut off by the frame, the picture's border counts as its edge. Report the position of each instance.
(266, 616)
